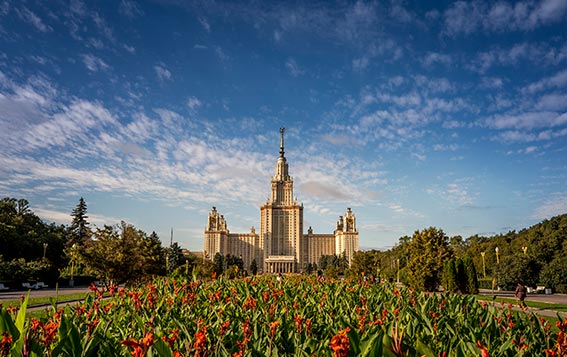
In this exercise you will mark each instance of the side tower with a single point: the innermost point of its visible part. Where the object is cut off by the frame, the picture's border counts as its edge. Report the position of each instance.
(216, 235)
(346, 235)
(281, 222)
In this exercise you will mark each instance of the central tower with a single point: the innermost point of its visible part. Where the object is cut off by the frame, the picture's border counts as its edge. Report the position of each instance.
(281, 222)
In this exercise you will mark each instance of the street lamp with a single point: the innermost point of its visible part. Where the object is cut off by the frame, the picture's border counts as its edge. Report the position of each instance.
(44, 249)
(525, 250)
(497, 257)
(166, 264)
(72, 282)
(398, 262)
(482, 254)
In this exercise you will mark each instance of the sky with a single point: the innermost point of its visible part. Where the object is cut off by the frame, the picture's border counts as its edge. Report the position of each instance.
(412, 113)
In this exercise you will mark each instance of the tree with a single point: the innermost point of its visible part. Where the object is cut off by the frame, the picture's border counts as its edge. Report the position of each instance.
(450, 279)
(121, 254)
(554, 275)
(517, 268)
(175, 257)
(429, 249)
(79, 226)
(470, 277)
(218, 260)
(253, 267)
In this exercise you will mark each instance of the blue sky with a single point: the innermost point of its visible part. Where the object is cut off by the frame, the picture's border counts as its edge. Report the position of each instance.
(414, 114)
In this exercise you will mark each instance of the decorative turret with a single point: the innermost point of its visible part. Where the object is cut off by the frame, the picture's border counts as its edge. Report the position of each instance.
(282, 183)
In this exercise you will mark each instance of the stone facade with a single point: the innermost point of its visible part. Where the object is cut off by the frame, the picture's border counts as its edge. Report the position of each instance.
(281, 246)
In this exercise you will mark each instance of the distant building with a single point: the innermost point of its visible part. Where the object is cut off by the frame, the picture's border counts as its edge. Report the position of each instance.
(281, 246)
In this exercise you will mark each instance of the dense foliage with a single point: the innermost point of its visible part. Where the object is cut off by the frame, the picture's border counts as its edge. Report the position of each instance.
(299, 316)
(428, 250)
(535, 256)
(31, 250)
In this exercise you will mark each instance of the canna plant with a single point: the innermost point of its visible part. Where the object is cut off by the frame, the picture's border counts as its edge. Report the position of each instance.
(299, 316)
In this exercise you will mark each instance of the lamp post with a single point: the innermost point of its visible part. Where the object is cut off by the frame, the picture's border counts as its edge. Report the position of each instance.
(44, 249)
(482, 254)
(186, 267)
(72, 282)
(166, 264)
(497, 257)
(525, 250)
(398, 262)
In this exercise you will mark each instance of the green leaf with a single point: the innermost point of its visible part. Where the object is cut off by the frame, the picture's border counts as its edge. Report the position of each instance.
(161, 349)
(7, 325)
(21, 317)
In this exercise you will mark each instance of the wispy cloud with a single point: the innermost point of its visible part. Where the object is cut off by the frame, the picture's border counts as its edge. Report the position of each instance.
(94, 63)
(464, 18)
(31, 18)
(293, 68)
(130, 9)
(194, 104)
(163, 74)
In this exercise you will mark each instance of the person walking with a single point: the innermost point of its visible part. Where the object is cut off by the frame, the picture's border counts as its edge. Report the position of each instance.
(521, 294)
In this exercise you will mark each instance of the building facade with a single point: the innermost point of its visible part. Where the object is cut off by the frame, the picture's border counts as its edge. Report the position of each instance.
(281, 246)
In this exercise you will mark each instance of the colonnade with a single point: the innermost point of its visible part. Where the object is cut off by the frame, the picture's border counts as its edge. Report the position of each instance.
(281, 267)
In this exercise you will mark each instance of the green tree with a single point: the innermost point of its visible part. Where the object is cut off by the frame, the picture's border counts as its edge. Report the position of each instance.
(517, 268)
(79, 229)
(554, 275)
(253, 267)
(470, 276)
(218, 261)
(121, 254)
(175, 257)
(429, 249)
(450, 279)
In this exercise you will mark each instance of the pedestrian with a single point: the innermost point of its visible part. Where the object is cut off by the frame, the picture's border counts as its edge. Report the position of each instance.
(521, 294)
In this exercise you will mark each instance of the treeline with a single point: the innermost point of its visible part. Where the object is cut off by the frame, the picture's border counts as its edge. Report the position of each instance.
(32, 250)
(535, 256)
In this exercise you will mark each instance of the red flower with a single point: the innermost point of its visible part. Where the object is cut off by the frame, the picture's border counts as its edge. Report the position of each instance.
(171, 340)
(273, 327)
(483, 350)
(142, 346)
(5, 344)
(200, 344)
(340, 343)
(298, 323)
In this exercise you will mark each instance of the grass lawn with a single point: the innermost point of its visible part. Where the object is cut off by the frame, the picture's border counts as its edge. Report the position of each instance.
(48, 299)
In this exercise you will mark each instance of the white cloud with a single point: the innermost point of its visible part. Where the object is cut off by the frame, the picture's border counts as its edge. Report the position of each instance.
(360, 64)
(130, 9)
(552, 206)
(529, 120)
(433, 58)
(162, 73)
(293, 68)
(194, 103)
(31, 18)
(93, 63)
(203, 21)
(558, 80)
(552, 102)
(470, 17)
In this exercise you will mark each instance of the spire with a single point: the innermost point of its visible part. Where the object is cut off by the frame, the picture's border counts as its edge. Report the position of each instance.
(282, 131)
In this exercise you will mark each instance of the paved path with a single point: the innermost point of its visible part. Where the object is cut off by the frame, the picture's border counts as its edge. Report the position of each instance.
(551, 299)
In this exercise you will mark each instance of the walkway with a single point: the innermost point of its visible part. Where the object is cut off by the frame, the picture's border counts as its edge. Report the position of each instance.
(551, 299)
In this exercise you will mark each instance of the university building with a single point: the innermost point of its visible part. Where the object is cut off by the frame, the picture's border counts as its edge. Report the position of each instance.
(281, 246)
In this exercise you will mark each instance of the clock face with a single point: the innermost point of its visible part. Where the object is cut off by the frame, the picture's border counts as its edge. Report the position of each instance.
(350, 220)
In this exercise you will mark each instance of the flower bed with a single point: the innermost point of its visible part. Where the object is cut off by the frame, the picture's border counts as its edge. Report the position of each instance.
(299, 316)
